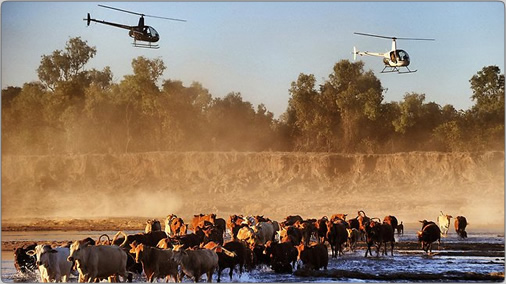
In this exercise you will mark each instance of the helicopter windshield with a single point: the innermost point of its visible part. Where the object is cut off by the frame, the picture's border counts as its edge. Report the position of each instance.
(152, 32)
(402, 55)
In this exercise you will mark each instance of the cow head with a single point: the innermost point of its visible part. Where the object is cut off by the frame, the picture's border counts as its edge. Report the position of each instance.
(179, 255)
(41, 252)
(77, 250)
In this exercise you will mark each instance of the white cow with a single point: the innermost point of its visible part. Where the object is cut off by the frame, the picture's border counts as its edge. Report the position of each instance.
(98, 262)
(52, 263)
(444, 223)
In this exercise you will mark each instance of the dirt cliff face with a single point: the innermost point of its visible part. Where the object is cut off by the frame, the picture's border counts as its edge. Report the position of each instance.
(412, 186)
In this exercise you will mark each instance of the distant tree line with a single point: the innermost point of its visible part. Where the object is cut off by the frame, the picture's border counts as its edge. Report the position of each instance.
(72, 109)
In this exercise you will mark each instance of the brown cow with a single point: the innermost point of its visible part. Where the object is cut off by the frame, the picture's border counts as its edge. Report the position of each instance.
(198, 219)
(98, 262)
(175, 226)
(460, 226)
(157, 263)
(313, 257)
(195, 263)
(234, 223)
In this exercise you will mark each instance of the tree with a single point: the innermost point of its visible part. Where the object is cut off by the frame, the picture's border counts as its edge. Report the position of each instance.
(358, 96)
(65, 65)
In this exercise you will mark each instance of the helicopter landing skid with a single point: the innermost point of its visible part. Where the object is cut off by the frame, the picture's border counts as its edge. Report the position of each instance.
(392, 69)
(143, 45)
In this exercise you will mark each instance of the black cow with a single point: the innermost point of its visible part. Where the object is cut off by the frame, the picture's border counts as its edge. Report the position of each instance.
(429, 234)
(379, 234)
(313, 257)
(24, 263)
(282, 256)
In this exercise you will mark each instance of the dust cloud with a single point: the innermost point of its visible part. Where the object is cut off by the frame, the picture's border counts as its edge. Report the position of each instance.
(412, 186)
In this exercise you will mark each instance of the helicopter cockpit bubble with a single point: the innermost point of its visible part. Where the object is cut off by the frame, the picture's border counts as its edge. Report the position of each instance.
(402, 55)
(153, 32)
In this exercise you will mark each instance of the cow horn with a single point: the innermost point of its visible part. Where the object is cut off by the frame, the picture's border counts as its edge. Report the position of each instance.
(116, 236)
(108, 239)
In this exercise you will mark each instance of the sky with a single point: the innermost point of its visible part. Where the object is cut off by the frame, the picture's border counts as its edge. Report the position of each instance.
(259, 48)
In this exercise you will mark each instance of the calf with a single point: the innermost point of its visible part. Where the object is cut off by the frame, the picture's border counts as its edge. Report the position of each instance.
(156, 263)
(460, 226)
(98, 262)
(313, 257)
(336, 236)
(195, 263)
(52, 263)
(282, 256)
(429, 234)
(23, 262)
(379, 234)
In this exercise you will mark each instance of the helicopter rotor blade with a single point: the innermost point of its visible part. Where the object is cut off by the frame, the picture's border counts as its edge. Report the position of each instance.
(395, 38)
(165, 18)
(140, 14)
(380, 36)
(121, 10)
(411, 38)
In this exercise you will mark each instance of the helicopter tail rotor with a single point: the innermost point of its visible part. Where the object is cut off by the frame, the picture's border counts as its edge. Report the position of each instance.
(354, 53)
(88, 20)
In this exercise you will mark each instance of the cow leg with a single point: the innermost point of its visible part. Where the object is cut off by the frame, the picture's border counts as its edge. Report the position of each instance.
(219, 274)
(210, 276)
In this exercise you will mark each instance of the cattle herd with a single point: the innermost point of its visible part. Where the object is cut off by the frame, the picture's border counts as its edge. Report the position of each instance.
(215, 244)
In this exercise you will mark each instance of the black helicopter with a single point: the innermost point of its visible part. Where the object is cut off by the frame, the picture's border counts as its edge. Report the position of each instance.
(140, 32)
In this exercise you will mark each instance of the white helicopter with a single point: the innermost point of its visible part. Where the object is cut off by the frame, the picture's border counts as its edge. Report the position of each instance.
(394, 59)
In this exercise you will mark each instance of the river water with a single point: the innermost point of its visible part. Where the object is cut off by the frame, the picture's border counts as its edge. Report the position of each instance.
(409, 262)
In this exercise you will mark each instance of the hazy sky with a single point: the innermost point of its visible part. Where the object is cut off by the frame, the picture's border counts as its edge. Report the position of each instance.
(259, 48)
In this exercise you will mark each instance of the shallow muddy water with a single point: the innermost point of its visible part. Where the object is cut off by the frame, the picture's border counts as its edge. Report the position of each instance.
(478, 258)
